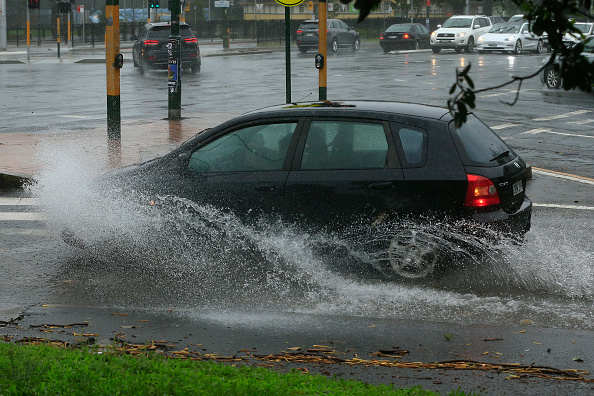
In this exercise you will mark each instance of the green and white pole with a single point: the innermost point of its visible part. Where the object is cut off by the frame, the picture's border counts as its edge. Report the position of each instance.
(175, 64)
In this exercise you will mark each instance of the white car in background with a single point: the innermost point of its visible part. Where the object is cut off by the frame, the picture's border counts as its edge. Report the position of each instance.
(515, 37)
(460, 32)
(587, 29)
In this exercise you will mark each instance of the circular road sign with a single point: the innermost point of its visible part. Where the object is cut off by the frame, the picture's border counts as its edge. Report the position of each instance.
(289, 3)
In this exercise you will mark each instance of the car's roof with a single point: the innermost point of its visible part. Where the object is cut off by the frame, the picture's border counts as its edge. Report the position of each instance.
(158, 24)
(336, 108)
(467, 16)
(317, 20)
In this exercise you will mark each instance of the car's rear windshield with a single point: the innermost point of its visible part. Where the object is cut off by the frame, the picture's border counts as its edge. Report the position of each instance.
(457, 23)
(165, 31)
(479, 145)
(308, 25)
(582, 27)
(399, 28)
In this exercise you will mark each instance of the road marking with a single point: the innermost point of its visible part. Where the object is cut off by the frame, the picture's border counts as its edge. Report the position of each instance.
(72, 116)
(18, 201)
(561, 175)
(29, 231)
(493, 95)
(581, 122)
(503, 126)
(556, 206)
(578, 112)
(21, 216)
(545, 130)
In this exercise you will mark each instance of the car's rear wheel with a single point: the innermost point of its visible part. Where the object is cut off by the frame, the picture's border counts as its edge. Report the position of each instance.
(417, 45)
(436, 50)
(386, 50)
(334, 45)
(552, 78)
(303, 50)
(470, 46)
(413, 253)
(357, 44)
(195, 68)
(539, 47)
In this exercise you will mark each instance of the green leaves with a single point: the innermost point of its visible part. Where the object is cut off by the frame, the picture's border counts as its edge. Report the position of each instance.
(464, 99)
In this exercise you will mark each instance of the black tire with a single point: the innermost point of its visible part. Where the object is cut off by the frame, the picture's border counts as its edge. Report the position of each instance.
(552, 78)
(356, 44)
(303, 50)
(458, 50)
(334, 46)
(142, 66)
(413, 254)
(436, 50)
(470, 46)
(518, 48)
(195, 68)
(386, 50)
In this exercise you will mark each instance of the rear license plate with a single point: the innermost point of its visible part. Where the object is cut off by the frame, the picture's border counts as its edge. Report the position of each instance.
(309, 34)
(518, 187)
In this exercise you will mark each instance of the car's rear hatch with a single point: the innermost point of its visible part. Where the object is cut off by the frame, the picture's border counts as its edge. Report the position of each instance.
(484, 154)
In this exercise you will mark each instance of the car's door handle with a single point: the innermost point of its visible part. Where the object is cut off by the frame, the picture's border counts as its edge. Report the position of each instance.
(380, 186)
(264, 187)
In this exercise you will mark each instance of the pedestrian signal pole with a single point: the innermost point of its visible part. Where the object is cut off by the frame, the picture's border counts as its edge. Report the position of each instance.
(114, 61)
(175, 65)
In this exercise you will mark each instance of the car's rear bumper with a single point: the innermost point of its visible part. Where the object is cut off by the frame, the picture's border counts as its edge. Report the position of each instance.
(518, 222)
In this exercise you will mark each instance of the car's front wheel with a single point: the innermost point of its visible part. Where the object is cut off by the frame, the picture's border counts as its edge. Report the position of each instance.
(334, 45)
(470, 46)
(357, 44)
(552, 78)
(413, 253)
(518, 48)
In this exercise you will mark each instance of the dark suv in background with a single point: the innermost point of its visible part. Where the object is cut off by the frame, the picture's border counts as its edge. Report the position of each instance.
(150, 47)
(339, 34)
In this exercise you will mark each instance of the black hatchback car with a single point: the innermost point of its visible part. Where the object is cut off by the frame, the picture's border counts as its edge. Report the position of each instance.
(405, 35)
(336, 165)
(338, 35)
(150, 50)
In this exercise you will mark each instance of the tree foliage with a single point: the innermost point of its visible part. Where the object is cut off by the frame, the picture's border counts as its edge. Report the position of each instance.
(551, 17)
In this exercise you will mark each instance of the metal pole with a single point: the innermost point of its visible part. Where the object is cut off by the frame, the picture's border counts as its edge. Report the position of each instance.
(288, 53)
(113, 65)
(58, 33)
(323, 47)
(411, 11)
(175, 64)
(28, 36)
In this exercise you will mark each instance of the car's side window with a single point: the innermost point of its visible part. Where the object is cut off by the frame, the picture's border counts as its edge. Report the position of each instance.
(413, 142)
(255, 148)
(345, 145)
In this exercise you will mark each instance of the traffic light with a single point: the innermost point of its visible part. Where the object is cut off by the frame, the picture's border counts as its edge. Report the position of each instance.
(64, 7)
(155, 4)
(33, 4)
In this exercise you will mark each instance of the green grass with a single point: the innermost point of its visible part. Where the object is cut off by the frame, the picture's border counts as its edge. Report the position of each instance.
(45, 370)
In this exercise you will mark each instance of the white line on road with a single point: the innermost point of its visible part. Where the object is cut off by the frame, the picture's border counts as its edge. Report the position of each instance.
(21, 216)
(581, 122)
(556, 206)
(503, 126)
(18, 201)
(544, 130)
(556, 117)
(561, 175)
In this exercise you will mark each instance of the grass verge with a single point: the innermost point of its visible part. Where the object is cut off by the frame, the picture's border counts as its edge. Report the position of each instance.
(43, 370)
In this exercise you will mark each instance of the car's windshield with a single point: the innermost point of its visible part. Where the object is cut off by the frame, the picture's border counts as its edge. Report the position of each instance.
(457, 23)
(399, 28)
(583, 27)
(506, 28)
(516, 18)
(308, 25)
(589, 46)
(164, 31)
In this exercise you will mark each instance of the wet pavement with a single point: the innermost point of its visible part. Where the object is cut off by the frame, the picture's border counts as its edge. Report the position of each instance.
(84, 300)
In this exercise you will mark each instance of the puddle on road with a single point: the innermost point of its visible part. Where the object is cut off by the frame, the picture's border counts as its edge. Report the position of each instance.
(179, 255)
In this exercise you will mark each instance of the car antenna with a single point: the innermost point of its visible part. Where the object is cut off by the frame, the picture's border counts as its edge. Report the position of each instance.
(300, 100)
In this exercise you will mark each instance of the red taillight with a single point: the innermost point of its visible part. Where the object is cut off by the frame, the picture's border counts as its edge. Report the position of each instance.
(480, 192)
(405, 36)
(191, 40)
(299, 31)
(381, 36)
(151, 42)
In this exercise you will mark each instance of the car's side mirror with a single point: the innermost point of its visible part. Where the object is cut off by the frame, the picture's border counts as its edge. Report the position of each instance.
(134, 37)
(438, 26)
(182, 160)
